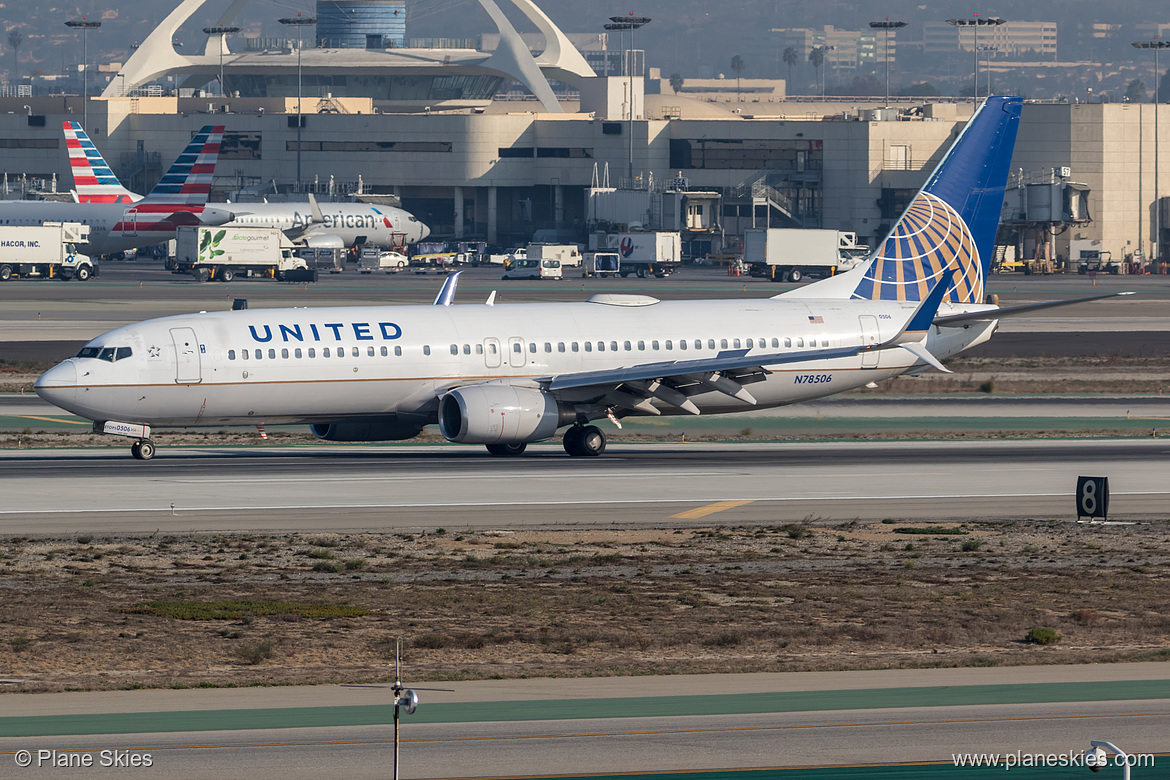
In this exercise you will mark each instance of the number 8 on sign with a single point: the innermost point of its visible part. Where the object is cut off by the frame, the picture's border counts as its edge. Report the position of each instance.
(1092, 497)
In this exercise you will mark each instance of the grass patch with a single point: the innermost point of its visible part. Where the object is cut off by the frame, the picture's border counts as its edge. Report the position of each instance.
(927, 531)
(235, 610)
(1042, 636)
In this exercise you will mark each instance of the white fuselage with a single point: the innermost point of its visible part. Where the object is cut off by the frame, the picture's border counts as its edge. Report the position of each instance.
(331, 364)
(353, 223)
(111, 228)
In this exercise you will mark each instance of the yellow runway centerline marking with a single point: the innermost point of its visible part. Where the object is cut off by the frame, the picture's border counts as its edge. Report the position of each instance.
(51, 419)
(709, 509)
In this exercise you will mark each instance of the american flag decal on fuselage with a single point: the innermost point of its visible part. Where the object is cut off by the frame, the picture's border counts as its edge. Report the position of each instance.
(930, 237)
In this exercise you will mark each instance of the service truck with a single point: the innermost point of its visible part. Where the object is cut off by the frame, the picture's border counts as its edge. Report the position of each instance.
(789, 254)
(569, 255)
(645, 254)
(223, 253)
(602, 264)
(47, 251)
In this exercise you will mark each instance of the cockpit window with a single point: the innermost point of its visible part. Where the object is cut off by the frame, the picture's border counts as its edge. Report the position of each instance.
(109, 354)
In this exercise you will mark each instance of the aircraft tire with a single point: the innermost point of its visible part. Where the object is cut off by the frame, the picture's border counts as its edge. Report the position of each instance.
(145, 449)
(507, 450)
(584, 441)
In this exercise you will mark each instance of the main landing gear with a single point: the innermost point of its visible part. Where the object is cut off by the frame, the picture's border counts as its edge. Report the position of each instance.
(584, 441)
(143, 449)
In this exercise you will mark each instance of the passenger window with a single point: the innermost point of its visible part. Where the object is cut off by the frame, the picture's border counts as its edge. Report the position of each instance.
(517, 348)
(312, 352)
(466, 349)
(369, 351)
(548, 346)
(297, 352)
(426, 349)
(575, 347)
(723, 343)
(601, 346)
(492, 348)
(788, 343)
(272, 354)
(812, 342)
(560, 346)
(356, 352)
(613, 346)
(532, 347)
(682, 343)
(385, 352)
(799, 342)
(284, 353)
(669, 344)
(244, 354)
(588, 346)
(641, 346)
(454, 349)
(478, 350)
(775, 343)
(710, 343)
(736, 343)
(231, 354)
(654, 345)
(749, 343)
(628, 346)
(325, 352)
(698, 343)
(398, 352)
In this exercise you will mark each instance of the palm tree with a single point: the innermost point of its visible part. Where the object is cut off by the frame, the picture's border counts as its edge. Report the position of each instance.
(790, 59)
(676, 82)
(15, 38)
(738, 65)
(816, 56)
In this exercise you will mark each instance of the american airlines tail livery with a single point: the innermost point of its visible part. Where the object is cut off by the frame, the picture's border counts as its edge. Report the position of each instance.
(348, 223)
(509, 375)
(117, 219)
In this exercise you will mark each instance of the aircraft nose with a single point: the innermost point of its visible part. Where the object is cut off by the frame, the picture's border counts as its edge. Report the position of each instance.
(423, 231)
(58, 385)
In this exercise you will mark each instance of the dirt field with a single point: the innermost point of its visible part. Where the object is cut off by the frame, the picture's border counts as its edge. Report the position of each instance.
(186, 611)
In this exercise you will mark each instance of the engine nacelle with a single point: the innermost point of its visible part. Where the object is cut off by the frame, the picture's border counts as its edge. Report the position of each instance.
(324, 241)
(213, 216)
(498, 414)
(372, 429)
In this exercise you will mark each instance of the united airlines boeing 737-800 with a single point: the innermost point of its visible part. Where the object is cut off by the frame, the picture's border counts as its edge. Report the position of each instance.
(509, 375)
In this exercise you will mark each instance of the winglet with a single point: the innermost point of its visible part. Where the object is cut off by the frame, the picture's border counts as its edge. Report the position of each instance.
(446, 295)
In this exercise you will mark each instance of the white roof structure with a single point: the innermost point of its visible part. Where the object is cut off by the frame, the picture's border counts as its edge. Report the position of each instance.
(428, 76)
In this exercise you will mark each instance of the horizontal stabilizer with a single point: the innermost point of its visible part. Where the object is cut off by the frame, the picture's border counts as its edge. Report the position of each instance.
(1008, 311)
(922, 353)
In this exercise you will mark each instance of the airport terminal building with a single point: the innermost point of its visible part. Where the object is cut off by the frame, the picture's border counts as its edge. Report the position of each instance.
(473, 166)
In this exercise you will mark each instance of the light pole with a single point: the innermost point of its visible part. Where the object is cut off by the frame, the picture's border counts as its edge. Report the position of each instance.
(630, 23)
(975, 23)
(221, 31)
(887, 25)
(987, 50)
(85, 25)
(1157, 45)
(299, 22)
(822, 48)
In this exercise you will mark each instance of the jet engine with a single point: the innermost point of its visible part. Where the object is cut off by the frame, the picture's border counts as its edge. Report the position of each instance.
(370, 429)
(213, 216)
(499, 414)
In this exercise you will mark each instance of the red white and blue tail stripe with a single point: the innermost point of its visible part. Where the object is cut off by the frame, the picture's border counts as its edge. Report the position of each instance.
(93, 180)
(181, 195)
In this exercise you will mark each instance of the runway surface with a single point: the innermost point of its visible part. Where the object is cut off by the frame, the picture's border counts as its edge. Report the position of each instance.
(520, 728)
(348, 488)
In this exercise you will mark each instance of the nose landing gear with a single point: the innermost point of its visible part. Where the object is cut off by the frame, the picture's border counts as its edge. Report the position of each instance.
(583, 441)
(143, 449)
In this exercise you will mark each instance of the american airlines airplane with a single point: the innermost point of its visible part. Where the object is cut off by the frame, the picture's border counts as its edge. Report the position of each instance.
(509, 375)
(117, 223)
(349, 223)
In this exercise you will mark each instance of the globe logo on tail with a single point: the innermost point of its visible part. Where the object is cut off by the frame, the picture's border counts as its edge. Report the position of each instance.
(930, 237)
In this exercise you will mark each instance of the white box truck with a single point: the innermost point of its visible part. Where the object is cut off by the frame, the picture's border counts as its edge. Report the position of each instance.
(223, 253)
(568, 254)
(645, 254)
(47, 251)
(789, 255)
(602, 264)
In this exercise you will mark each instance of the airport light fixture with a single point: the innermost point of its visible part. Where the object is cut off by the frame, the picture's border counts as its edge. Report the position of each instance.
(84, 24)
(988, 51)
(221, 31)
(887, 25)
(1157, 45)
(631, 23)
(975, 22)
(299, 22)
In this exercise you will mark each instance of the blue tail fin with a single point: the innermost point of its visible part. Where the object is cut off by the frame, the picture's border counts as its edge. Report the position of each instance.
(952, 221)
